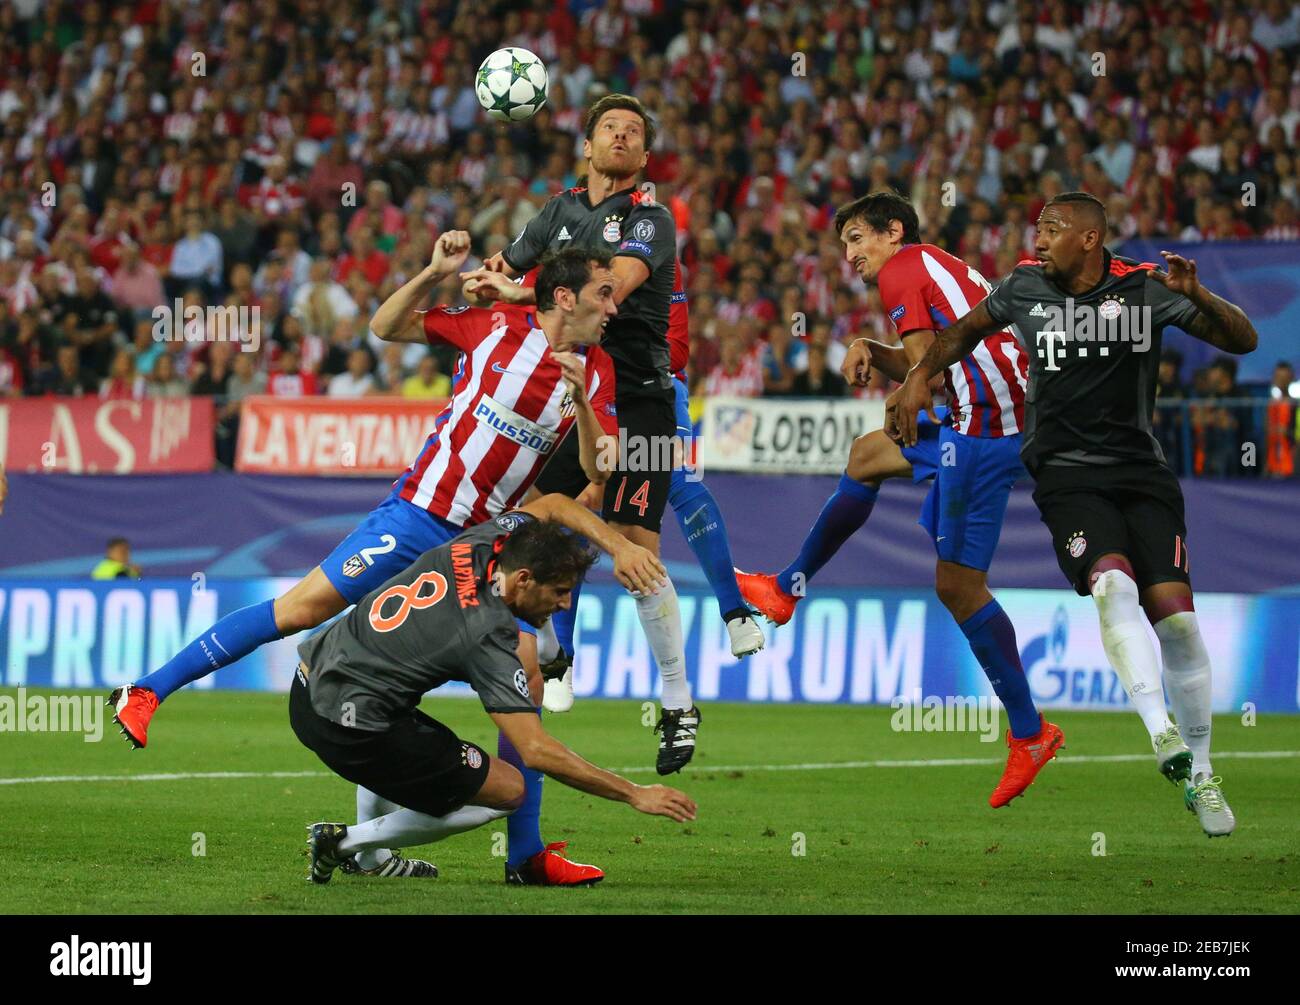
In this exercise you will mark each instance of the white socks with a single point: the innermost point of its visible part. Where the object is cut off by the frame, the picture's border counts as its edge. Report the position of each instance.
(407, 827)
(661, 620)
(1128, 647)
(1187, 675)
(548, 643)
(369, 806)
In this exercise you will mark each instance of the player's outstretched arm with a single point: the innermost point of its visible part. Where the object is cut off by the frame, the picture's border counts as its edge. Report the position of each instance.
(542, 752)
(951, 344)
(635, 567)
(397, 319)
(1221, 323)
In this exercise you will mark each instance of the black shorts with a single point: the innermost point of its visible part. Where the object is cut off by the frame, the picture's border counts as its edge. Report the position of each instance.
(417, 763)
(1135, 510)
(637, 491)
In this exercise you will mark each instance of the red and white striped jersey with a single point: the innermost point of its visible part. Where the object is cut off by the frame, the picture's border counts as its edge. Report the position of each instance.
(924, 287)
(508, 412)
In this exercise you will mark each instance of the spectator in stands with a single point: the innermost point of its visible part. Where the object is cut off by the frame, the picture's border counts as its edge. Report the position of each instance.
(289, 380)
(1283, 420)
(122, 381)
(779, 360)
(196, 260)
(165, 382)
(819, 379)
(1169, 422)
(214, 376)
(365, 259)
(427, 381)
(116, 563)
(739, 373)
(96, 323)
(136, 286)
(379, 216)
(69, 377)
(357, 380)
(321, 303)
(1224, 426)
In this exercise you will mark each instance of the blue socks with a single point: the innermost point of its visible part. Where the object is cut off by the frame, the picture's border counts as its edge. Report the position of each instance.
(230, 639)
(992, 639)
(563, 621)
(524, 826)
(845, 511)
(701, 521)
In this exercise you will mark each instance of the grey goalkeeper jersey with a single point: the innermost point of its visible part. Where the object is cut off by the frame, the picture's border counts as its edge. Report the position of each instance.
(1093, 361)
(435, 622)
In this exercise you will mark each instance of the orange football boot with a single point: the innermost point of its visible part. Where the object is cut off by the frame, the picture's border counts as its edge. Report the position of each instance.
(549, 868)
(762, 593)
(1026, 760)
(133, 708)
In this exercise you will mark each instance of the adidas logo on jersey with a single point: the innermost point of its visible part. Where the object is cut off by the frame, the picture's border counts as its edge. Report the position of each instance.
(1038, 311)
(564, 235)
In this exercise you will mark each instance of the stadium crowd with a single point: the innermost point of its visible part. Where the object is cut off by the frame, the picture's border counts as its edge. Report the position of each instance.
(301, 156)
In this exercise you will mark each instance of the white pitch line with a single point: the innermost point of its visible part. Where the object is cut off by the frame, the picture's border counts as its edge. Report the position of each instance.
(950, 762)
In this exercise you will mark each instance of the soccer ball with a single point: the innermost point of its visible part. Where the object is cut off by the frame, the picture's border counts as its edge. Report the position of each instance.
(511, 84)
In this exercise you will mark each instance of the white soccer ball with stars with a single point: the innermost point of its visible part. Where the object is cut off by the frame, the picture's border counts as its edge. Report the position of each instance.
(511, 84)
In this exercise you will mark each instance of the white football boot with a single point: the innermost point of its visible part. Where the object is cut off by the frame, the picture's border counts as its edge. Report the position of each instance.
(557, 694)
(1205, 799)
(746, 636)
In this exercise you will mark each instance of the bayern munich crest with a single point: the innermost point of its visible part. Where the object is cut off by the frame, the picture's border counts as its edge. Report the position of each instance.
(612, 231)
(472, 757)
(1078, 545)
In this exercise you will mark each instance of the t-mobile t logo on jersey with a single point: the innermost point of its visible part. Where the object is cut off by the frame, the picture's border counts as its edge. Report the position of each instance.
(1053, 347)
(1091, 327)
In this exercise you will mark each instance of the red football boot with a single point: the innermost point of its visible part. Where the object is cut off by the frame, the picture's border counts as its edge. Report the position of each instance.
(134, 707)
(1026, 760)
(762, 593)
(549, 868)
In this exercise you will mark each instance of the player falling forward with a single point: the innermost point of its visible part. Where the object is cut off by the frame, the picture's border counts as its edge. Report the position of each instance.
(520, 387)
(452, 616)
(1111, 503)
(971, 462)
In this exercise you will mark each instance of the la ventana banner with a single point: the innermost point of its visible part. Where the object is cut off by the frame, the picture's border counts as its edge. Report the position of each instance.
(90, 436)
(333, 436)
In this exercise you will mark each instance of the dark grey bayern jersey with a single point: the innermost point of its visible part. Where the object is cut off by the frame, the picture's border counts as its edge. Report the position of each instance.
(1093, 361)
(625, 223)
(437, 621)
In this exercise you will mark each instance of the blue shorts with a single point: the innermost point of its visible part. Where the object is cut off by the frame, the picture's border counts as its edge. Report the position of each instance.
(683, 473)
(972, 479)
(392, 536)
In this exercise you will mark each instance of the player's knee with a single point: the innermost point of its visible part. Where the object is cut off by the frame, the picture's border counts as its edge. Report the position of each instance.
(961, 591)
(508, 790)
(1115, 592)
(864, 460)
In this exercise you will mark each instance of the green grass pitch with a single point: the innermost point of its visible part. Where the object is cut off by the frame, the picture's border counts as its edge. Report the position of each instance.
(874, 838)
